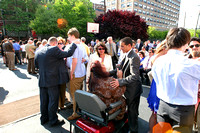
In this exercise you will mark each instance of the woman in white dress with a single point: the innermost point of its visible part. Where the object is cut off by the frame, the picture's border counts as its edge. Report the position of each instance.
(101, 54)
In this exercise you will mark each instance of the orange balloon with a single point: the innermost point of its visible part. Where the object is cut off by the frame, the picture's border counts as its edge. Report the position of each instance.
(162, 127)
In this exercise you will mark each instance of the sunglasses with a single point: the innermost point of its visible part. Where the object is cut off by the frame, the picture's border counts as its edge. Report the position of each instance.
(60, 43)
(101, 48)
(196, 45)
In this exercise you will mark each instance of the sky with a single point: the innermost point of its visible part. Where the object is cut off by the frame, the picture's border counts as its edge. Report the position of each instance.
(189, 7)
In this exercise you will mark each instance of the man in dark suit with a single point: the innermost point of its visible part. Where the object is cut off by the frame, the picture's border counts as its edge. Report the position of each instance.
(52, 73)
(139, 44)
(129, 71)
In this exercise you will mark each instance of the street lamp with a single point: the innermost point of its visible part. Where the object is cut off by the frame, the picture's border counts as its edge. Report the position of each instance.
(196, 24)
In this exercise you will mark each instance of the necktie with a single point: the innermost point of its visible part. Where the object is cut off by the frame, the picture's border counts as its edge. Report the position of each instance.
(111, 50)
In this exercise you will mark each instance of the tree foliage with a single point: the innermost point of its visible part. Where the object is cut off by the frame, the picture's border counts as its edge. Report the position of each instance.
(18, 13)
(119, 24)
(45, 21)
(156, 34)
(76, 13)
(192, 32)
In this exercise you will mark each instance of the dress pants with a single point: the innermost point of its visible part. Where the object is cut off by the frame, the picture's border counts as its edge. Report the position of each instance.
(11, 60)
(133, 114)
(31, 65)
(49, 97)
(62, 88)
(75, 84)
(17, 56)
(179, 116)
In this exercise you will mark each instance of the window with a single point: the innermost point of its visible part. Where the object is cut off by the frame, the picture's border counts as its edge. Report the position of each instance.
(155, 5)
(155, 10)
(144, 6)
(152, 8)
(152, 3)
(140, 11)
(135, 3)
(129, 4)
(108, 4)
(145, 1)
(135, 10)
(113, 2)
(149, 2)
(122, 0)
(148, 7)
(140, 5)
(123, 6)
(144, 12)
(113, 8)
(147, 13)
(129, 9)
(151, 14)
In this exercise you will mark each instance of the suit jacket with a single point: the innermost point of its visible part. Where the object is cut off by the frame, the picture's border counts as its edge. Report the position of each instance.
(29, 53)
(139, 47)
(52, 68)
(115, 49)
(131, 76)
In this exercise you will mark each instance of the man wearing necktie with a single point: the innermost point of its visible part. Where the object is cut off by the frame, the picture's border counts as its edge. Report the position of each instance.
(112, 50)
(129, 69)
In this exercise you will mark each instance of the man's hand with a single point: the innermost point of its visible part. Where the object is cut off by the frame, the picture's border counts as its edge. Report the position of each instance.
(114, 83)
(83, 60)
(119, 73)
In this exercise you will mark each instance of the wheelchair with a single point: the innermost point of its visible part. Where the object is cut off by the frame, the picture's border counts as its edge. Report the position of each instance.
(95, 117)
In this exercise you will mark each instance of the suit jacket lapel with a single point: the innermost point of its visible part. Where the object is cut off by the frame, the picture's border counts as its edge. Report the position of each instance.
(126, 64)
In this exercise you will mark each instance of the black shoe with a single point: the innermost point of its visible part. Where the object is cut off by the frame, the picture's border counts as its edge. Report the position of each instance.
(58, 123)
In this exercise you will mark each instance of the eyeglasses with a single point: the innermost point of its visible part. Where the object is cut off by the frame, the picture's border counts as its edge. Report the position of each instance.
(60, 43)
(196, 45)
(101, 48)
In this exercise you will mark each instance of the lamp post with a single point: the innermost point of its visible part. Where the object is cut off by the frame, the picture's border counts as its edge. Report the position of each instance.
(196, 24)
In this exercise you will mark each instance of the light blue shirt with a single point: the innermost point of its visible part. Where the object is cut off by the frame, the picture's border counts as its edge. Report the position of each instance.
(176, 78)
(16, 46)
(80, 53)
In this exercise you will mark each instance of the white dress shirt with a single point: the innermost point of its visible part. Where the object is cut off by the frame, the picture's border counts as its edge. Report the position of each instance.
(176, 78)
(107, 63)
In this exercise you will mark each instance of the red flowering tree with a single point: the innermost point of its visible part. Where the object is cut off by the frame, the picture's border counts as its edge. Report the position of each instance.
(120, 24)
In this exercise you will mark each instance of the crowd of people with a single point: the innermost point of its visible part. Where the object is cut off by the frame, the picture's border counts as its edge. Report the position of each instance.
(163, 65)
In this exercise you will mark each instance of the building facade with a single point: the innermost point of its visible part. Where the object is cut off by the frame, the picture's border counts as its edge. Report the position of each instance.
(162, 14)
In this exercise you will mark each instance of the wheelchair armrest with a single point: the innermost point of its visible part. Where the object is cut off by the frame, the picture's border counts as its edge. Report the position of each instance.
(113, 105)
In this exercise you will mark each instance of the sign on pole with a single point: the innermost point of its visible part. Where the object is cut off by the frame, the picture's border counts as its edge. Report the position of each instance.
(92, 27)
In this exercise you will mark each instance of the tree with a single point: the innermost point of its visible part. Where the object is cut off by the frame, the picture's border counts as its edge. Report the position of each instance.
(76, 13)
(18, 13)
(45, 21)
(156, 34)
(192, 32)
(119, 24)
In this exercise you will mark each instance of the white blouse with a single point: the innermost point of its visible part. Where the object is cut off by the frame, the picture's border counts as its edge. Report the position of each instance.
(107, 63)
